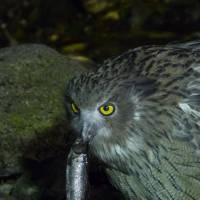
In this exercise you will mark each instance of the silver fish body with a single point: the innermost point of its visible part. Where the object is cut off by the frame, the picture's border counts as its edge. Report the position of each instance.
(76, 173)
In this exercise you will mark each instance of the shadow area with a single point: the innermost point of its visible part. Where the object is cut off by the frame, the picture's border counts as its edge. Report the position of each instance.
(44, 164)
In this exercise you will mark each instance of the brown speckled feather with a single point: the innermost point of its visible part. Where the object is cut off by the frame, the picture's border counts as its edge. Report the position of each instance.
(151, 144)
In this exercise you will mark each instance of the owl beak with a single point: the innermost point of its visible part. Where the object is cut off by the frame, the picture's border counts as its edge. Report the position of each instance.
(87, 132)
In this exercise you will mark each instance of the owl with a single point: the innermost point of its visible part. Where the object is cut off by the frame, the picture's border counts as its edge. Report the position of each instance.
(140, 115)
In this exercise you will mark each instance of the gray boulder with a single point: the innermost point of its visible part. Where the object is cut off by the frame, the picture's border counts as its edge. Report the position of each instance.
(32, 116)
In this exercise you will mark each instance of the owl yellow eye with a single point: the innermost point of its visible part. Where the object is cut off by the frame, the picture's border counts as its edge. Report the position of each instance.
(75, 108)
(107, 109)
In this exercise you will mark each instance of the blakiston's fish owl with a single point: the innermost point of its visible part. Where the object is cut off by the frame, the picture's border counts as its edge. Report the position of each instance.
(140, 113)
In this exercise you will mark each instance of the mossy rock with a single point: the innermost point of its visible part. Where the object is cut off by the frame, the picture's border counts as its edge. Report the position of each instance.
(32, 82)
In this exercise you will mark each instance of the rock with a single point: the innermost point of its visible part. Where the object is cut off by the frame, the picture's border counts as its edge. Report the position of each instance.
(5, 189)
(33, 128)
(25, 189)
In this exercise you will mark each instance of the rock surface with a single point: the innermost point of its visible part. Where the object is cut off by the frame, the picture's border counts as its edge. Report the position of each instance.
(33, 129)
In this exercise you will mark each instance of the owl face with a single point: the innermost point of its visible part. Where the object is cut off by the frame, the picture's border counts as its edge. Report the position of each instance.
(99, 111)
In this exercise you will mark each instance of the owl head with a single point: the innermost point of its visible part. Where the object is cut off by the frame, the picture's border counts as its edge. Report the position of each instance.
(103, 106)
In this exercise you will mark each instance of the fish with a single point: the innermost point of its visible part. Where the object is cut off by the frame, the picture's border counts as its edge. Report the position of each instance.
(77, 172)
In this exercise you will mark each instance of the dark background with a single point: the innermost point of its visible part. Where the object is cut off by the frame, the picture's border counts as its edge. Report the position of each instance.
(97, 29)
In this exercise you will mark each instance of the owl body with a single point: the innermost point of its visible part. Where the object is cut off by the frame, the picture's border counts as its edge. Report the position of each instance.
(149, 145)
